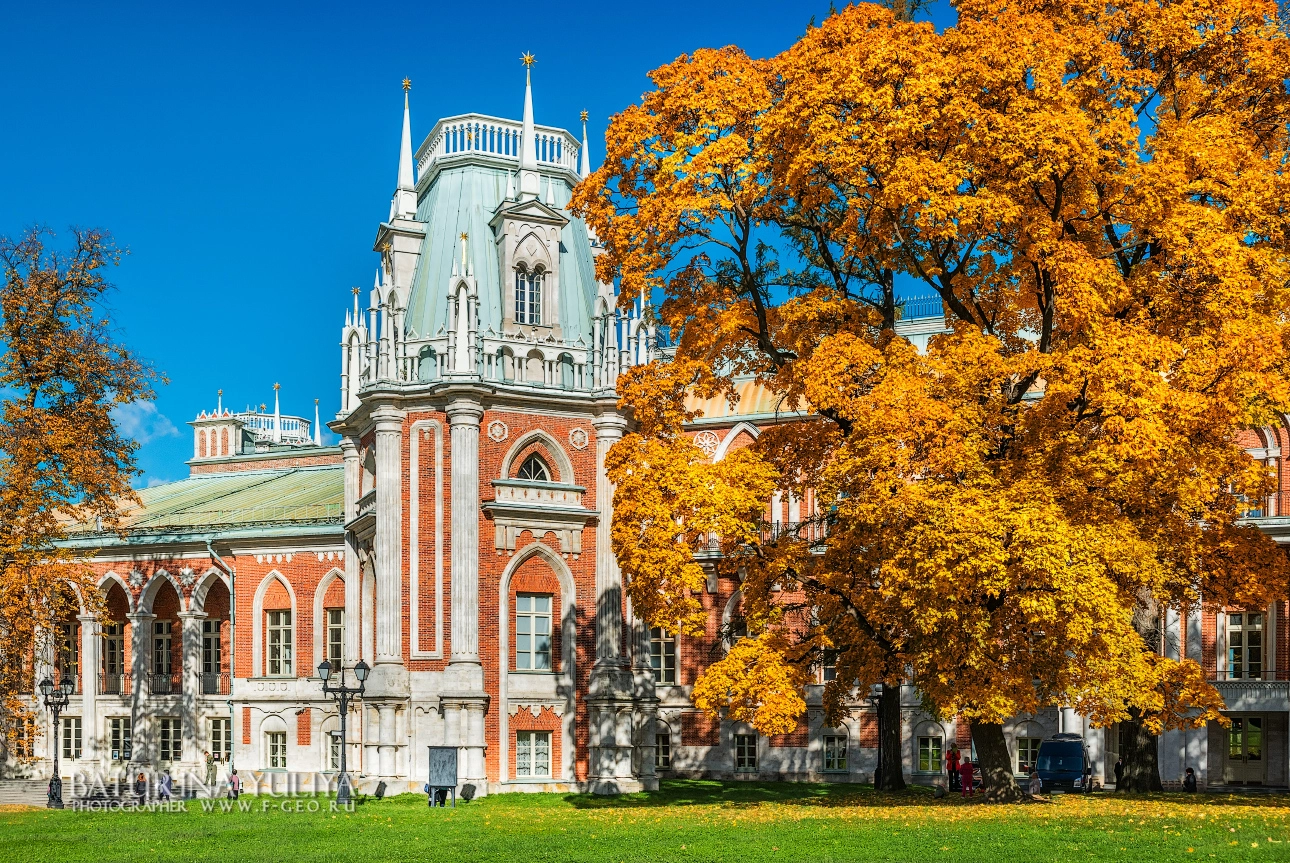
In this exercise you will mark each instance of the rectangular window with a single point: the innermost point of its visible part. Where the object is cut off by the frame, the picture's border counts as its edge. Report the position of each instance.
(533, 632)
(68, 637)
(829, 666)
(71, 737)
(662, 655)
(333, 750)
(835, 753)
(212, 661)
(222, 739)
(929, 755)
(746, 753)
(276, 746)
(161, 630)
(1027, 754)
(1245, 646)
(22, 743)
(279, 643)
(171, 739)
(532, 754)
(119, 738)
(663, 751)
(114, 649)
(336, 636)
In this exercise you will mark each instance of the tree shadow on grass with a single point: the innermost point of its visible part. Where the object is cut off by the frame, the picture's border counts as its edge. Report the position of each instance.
(741, 794)
(713, 792)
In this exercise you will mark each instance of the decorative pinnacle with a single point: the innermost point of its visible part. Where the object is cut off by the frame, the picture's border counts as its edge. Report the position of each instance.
(315, 401)
(407, 84)
(261, 407)
(465, 236)
(385, 247)
(219, 392)
(355, 291)
(583, 116)
(277, 387)
(528, 60)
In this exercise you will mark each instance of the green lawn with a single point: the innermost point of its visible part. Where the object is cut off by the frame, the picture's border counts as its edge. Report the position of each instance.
(699, 821)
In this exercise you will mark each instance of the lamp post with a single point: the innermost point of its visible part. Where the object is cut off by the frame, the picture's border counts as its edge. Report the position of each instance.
(56, 698)
(343, 695)
(874, 698)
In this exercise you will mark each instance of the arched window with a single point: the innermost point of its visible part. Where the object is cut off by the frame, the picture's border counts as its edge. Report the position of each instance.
(534, 470)
(528, 296)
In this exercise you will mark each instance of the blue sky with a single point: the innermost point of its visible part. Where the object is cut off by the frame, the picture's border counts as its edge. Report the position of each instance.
(245, 154)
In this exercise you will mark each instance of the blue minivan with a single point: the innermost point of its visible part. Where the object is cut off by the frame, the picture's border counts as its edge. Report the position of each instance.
(1063, 764)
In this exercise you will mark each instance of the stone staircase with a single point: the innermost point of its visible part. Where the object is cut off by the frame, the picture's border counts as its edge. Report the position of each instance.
(24, 792)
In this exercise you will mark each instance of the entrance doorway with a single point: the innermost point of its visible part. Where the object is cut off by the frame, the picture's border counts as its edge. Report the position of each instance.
(1246, 762)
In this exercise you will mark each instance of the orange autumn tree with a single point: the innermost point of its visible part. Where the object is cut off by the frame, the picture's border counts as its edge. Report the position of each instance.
(1097, 195)
(62, 458)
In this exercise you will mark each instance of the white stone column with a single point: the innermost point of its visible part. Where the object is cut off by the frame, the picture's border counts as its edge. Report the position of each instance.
(141, 685)
(353, 570)
(389, 535)
(609, 585)
(90, 637)
(191, 629)
(475, 769)
(386, 737)
(464, 416)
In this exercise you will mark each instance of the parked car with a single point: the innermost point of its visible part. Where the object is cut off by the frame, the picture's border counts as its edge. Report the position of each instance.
(1063, 764)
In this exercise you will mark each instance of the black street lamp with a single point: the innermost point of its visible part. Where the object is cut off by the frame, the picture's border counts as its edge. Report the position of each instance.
(56, 698)
(343, 694)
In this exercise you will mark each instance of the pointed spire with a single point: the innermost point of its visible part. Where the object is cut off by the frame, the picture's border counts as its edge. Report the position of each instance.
(530, 183)
(317, 426)
(550, 192)
(356, 312)
(405, 204)
(465, 265)
(510, 186)
(219, 404)
(277, 416)
(584, 158)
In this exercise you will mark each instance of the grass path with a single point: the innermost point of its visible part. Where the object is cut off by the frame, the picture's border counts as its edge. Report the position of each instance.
(686, 821)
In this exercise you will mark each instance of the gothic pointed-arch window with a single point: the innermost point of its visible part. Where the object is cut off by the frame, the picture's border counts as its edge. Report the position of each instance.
(534, 469)
(528, 296)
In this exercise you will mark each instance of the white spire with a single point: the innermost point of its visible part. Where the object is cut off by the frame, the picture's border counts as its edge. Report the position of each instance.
(219, 404)
(405, 205)
(277, 416)
(584, 158)
(530, 182)
(510, 186)
(317, 426)
(550, 192)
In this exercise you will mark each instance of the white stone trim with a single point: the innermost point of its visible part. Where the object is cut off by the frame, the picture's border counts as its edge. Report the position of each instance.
(129, 595)
(202, 589)
(730, 437)
(319, 627)
(568, 654)
(257, 628)
(563, 465)
(151, 587)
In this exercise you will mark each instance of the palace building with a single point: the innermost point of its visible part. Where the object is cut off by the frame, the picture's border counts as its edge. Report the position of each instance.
(457, 541)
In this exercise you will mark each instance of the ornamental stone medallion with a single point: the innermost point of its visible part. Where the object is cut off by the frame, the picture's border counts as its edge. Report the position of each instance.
(707, 441)
(497, 431)
(578, 439)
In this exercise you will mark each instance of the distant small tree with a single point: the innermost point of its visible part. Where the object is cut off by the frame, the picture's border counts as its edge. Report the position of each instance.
(62, 458)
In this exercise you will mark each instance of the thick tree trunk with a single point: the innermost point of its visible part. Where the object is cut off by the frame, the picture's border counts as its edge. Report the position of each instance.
(1141, 756)
(995, 762)
(891, 766)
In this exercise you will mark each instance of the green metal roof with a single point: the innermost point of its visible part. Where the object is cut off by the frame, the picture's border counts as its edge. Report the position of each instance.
(289, 496)
(463, 200)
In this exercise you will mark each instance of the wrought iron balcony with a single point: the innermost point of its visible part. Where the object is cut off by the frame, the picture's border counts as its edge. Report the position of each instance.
(213, 683)
(165, 683)
(114, 684)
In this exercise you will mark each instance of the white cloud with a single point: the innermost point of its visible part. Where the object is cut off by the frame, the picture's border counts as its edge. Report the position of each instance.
(154, 481)
(142, 422)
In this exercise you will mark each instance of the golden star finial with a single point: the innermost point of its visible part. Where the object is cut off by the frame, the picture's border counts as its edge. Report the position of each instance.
(464, 235)
(583, 116)
(528, 60)
(407, 84)
(261, 407)
(385, 247)
(277, 387)
(219, 392)
(355, 291)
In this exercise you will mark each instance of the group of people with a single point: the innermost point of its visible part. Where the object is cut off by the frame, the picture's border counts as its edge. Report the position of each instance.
(963, 774)
(166, 783)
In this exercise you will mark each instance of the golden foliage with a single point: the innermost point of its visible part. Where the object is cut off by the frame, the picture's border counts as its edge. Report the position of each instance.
(1096, 193)
(62, 459)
